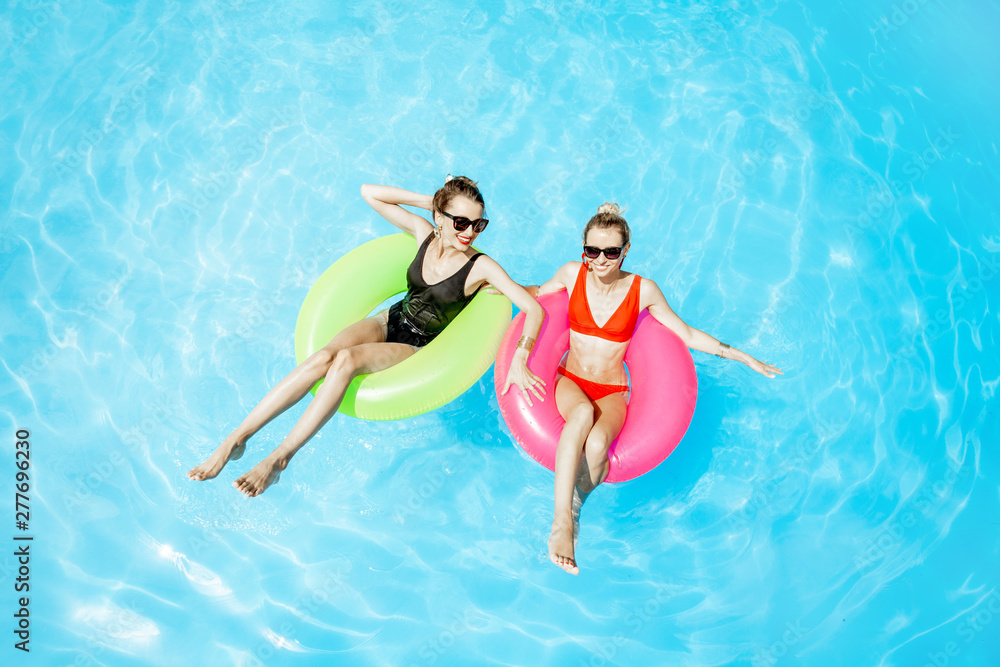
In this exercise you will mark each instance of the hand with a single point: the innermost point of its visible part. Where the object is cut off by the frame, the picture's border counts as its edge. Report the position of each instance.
(520, 375)
(764, 368)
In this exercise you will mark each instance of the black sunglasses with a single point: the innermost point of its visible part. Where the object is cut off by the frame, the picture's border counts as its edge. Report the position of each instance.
(611, 253)
(462, 223)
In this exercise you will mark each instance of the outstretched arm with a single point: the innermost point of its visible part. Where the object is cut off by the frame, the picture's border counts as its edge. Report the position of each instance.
(389, 201)
(652, 298)
(519, 373)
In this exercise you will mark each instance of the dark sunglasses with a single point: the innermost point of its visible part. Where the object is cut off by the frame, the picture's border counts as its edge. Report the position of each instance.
(611, 253)
(461, 223)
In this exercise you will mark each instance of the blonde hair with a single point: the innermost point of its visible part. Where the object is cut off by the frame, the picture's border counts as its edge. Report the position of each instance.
(609, 216)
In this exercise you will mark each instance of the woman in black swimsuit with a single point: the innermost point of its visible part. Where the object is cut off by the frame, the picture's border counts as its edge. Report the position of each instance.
(443, 278)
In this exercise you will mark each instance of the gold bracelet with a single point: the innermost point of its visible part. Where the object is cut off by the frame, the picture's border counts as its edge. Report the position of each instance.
(526, 343)
(722, 349)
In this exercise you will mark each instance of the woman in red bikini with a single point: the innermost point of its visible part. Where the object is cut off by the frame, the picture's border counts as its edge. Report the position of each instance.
(592, 386)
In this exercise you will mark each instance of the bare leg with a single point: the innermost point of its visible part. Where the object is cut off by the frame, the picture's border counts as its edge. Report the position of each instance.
(591, 427)
(348, 364)
(610, 419)
(285, 394)
(578, 412)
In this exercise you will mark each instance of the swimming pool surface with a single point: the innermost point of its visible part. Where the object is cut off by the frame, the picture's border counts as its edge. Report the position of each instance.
(815, 183)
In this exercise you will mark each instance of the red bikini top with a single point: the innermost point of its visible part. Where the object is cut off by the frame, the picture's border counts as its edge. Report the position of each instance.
(621, 324)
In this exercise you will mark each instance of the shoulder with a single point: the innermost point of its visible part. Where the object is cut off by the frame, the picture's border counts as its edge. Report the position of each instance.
(422, 233)
(566, 274)
(649, 292)
(650, 286)
(569, 270)
(480, 257)
(483, 265)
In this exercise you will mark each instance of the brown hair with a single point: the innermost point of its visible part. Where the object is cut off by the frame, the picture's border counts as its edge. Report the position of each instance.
(457, 186)
(609, 216)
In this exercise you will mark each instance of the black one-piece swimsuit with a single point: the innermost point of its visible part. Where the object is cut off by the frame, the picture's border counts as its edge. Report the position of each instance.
(427, 309)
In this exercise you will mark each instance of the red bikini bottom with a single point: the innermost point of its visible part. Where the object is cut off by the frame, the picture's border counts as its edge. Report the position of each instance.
(593, 390)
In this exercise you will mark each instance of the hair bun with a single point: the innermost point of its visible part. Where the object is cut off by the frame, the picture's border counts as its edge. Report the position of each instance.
(456, 186)
(609, 216)
(462, 180)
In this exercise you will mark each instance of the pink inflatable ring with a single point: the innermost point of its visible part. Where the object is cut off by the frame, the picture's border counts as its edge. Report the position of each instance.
(664, 388)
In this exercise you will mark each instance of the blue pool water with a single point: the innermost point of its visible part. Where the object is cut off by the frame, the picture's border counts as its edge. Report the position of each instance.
(813, 182)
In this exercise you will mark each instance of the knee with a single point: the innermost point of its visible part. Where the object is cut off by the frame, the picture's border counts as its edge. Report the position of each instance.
(597, 444)
(319, 362)
(343, 365)
(581, 416)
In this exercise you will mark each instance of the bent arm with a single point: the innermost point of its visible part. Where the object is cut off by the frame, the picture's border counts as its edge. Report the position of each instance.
(389, 201)
(534, 314)
(518, 374)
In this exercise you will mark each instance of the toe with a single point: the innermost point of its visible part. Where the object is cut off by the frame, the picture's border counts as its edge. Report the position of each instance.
(569, 565)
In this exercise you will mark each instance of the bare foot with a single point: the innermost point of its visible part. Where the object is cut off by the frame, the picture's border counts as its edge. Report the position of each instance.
(263, 475)
(226, 452)
(561, 545)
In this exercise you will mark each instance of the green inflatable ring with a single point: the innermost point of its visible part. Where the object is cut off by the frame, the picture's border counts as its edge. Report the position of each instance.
(358, 282)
